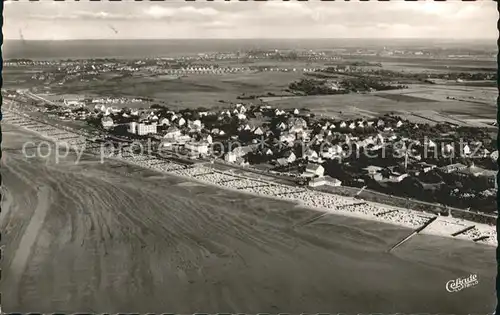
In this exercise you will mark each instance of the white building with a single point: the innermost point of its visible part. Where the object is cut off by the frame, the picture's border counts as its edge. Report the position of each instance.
(311, 155)
(242, 151)
(288, 158)
(107, 122)
(164, 122)
(325, 181)
(208, 139)
(287, 138)
(425, 167)
(448, 148)
(195, 125)
(172, 133)
(466, 150)
(258, 131)
(230, 157)
(282, 126)
(486, 153)
(197, 147)
(431, 144)
(494, 155)
(145, 129)
(132, 127)
(397, 177)
(331, 152)
(72, 102)
(304, 135)
(453, 168)
(182, 139)
(314, 169)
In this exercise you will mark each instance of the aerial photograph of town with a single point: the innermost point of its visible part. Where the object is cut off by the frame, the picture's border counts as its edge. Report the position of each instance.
(251, 157)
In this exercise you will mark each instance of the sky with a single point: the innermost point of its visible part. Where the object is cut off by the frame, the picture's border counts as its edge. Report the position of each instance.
(49, 20)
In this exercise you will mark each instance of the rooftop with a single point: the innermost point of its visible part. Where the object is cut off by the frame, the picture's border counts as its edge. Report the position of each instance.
(312, 167)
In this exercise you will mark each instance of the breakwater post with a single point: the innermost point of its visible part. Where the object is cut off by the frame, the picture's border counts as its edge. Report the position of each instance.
(418, 230)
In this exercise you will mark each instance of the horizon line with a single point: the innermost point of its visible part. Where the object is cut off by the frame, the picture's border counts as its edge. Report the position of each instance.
(259, 38)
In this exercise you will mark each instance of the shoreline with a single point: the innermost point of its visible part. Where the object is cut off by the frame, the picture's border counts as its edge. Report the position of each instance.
(301, 204)
(355, 215)
(440, 227)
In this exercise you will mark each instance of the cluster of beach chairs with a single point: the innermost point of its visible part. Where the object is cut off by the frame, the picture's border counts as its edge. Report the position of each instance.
(53, 133)
(319, 200)
(479, 232)
(153, 163)
(304, 196)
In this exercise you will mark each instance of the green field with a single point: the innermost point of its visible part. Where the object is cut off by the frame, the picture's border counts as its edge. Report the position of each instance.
(190, 91)
(426, 101)
(216, 91)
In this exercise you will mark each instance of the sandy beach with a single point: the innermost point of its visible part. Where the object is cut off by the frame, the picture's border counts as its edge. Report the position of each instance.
(120, 238)
(324, 202)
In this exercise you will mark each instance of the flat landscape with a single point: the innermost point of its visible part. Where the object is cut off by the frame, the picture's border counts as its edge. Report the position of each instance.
(111, 237)
(466, 101)
(414, 100)
(189, 91)
(217, 91)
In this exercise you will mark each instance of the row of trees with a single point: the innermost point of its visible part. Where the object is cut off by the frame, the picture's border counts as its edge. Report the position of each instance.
(384, 73)
(359, 84)
(432, 187)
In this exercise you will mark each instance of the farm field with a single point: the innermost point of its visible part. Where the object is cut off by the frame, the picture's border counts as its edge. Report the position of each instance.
(464, 102)
(441, 92)
(336, 105)
(448, 64)
(189, 91)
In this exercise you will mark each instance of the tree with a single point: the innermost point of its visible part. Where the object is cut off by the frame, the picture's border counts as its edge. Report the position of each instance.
(411, 186)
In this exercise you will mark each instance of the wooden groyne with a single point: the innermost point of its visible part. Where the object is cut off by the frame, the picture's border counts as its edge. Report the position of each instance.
(462, 231)
(418, 230)
(481, 238)
(311, 220)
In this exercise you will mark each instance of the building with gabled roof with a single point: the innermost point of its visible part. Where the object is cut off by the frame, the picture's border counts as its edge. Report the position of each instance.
(325, 181)
(315, 169)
